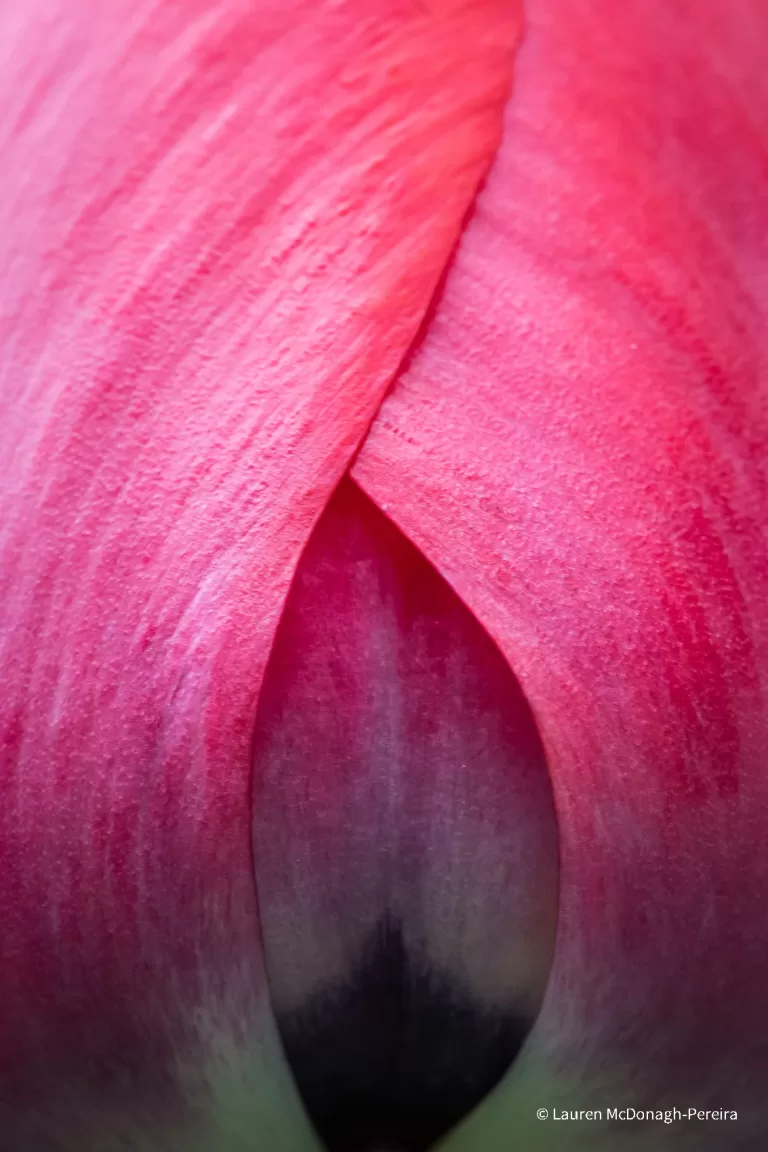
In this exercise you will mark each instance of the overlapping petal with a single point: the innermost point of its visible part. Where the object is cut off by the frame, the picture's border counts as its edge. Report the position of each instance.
(580, 446)
(220, 228)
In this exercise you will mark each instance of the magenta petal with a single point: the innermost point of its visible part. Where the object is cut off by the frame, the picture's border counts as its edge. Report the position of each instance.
(220, 227)
(580, 446)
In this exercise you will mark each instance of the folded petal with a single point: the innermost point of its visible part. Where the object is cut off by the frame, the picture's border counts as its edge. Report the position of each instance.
(580, 446)
(221, 225)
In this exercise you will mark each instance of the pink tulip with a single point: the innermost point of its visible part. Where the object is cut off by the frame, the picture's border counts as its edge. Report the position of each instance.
(383, 443)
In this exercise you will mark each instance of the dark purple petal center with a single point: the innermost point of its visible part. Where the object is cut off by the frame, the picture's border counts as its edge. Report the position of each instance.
(405, 842)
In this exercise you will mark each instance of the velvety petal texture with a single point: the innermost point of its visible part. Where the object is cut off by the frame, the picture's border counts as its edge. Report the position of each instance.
(580, 446)
(220, 228)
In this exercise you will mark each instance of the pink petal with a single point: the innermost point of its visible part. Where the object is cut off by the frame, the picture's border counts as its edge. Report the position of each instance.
(220, 229)
(580, 447)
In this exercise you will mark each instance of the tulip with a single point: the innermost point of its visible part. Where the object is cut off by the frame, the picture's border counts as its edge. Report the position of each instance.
(384, 472)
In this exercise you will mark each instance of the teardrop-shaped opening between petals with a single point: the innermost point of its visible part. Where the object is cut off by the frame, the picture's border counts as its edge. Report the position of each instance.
(405, 841)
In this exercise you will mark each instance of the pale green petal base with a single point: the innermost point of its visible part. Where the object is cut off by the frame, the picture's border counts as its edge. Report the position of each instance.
(235, 1098)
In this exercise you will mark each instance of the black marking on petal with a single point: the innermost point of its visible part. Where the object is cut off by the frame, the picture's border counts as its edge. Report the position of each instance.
(398, 1054)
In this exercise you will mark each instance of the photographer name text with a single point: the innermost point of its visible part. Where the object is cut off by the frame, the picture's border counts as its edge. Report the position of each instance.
(665, 1115)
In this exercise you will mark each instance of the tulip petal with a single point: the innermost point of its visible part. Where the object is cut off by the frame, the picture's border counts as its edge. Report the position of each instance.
(580, 447)
(405, 845)
(221, 226)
